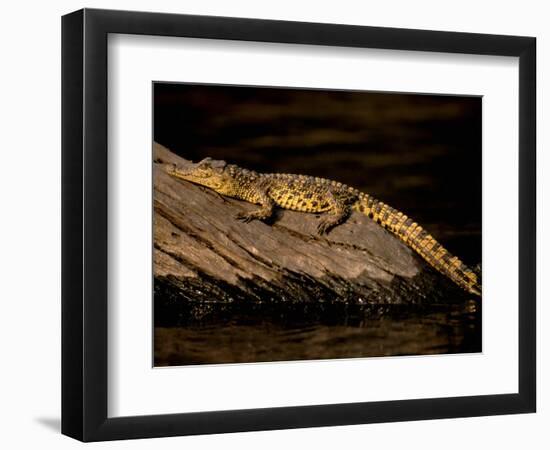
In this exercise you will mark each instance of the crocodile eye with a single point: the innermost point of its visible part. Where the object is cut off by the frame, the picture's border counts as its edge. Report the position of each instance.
(204, 162)
(204, 168)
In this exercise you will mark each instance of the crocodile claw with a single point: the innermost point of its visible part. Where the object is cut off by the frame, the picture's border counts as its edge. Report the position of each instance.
(323, 227)
(245, 217)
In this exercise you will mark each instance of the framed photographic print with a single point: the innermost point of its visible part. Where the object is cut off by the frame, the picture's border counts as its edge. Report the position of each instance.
(273, 224)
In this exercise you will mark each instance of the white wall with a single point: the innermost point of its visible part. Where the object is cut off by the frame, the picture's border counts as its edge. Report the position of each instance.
(30, 236)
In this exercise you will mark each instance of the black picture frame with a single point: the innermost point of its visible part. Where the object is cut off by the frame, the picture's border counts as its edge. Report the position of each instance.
(84, 224)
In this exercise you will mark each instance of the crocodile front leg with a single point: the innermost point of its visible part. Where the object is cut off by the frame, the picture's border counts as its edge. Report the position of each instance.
(259, 195)
(263, 213)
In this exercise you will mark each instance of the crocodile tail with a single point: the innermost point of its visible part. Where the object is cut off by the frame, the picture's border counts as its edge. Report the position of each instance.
(421, 241)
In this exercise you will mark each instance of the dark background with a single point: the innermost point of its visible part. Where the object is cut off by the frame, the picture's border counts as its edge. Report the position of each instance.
(419, 153)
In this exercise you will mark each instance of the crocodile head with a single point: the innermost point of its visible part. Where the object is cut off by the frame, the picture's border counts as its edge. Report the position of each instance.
(208, 172)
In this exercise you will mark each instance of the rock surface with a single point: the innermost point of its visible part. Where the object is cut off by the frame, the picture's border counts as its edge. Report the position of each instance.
(203, 254)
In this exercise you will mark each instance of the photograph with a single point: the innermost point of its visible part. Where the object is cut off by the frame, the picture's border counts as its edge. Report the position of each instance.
(311, 224)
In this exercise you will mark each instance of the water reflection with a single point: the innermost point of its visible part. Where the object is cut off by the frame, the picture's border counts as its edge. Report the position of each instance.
(213, 334)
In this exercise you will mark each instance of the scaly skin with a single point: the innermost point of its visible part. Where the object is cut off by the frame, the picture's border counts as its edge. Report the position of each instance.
(319, 195)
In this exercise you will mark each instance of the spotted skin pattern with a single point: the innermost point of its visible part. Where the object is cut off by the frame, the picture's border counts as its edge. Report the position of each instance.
(318, 195)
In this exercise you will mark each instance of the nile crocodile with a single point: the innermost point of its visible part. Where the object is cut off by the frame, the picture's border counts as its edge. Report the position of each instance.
(318, 195)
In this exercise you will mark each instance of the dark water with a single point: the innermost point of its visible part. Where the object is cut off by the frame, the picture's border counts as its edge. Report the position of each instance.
(204, 334)
(419, 153)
